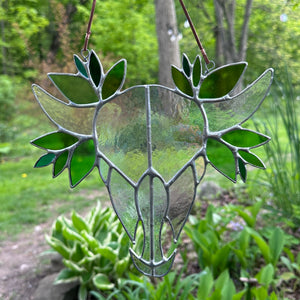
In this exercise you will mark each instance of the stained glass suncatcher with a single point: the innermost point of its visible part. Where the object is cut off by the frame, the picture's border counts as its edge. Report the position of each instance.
(150, 160)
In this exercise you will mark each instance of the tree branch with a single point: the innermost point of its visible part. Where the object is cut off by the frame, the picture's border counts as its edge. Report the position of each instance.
(245, 31)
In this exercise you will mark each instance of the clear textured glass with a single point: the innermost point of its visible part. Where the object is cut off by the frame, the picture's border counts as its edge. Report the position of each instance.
(122, 132)
(227, 113)
(76, 119)
(182, 193)
(175, 140)
(123, 200)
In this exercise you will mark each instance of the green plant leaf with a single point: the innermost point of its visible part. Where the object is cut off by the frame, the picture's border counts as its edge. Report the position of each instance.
(243, 170)
(266, 275)
(251, 159)
(221, 81)
(244, 138)
(55, 141)
(82, 293)
(72, 235)
(60, 163)
(197, 71)
(82, 161)
(74, 88)
(58, 246)
(186, 65)
(239, 295)
(181, 82)
(80, 66)
(79, 223)
(261, 243)
(73, 266)
(221, 157)
(95, 69)
(44, 160)
(121, 266)
(101, 282)
(66, 275)
(276, 244)
(222, 280)
(250, 221)
(228, 290)
(77, 254)
(114, 79)
(108, 253)
(206, 283)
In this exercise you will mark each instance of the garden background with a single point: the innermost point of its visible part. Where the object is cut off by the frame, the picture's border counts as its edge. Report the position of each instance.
(252, 228)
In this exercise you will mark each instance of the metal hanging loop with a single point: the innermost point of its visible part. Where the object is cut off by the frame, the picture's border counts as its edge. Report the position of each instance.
(88, 31)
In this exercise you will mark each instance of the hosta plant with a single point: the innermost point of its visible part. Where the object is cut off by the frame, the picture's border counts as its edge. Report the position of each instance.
(94, 250)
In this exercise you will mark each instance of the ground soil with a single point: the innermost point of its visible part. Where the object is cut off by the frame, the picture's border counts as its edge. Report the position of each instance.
(21, 264)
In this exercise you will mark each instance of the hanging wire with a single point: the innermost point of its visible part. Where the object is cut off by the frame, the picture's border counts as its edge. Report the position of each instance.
(207, 61)
(88, 31)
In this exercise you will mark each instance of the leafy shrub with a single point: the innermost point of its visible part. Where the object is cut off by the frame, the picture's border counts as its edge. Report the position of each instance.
(238, 248)
(94, 250)
(7, 104)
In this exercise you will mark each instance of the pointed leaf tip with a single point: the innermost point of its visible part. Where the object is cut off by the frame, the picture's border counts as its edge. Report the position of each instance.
(82, 162)
(80, 66)
(181, 82)
(221, 158)
(222, 81)
(95, 69)
(245, 138)
(45, 160)
(114, 79)
(197, 71)
(186, 65)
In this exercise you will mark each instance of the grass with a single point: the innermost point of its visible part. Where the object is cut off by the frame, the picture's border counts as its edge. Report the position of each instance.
(30, 196)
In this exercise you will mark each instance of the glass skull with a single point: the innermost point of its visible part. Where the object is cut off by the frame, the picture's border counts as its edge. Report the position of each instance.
(152, 144)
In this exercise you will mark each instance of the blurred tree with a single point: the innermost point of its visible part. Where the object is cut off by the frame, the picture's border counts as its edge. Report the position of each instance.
(21, 23)
(167, 35)
(230, 47)
(127, 29)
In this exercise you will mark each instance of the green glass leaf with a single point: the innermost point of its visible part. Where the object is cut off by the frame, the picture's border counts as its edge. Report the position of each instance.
(243, 170)
(244, 138)
(44, 160)
(221, 157)
(181, 82)
(80, 66)
(197, 71)
(114, 79)
(186, 65)
(55, 141)
(251, 159)
(60, 163)
(82, 161)
(75, 88)
(221, 81)
(95, 69)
